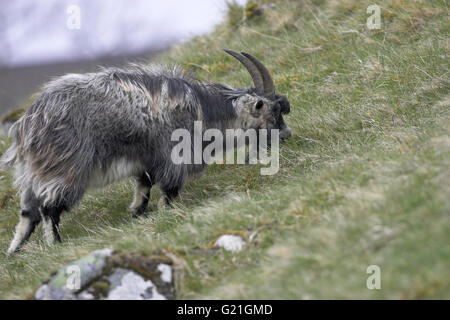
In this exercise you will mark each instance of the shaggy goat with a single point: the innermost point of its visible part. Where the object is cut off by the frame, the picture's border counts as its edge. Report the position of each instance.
(89, 130)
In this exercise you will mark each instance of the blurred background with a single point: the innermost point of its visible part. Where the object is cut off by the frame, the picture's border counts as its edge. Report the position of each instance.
(43, 39)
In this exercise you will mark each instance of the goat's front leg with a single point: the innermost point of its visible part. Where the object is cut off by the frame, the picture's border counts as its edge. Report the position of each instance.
(170, 193)
(141, 195)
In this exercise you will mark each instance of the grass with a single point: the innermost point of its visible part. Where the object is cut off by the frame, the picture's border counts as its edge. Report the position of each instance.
(363, 181)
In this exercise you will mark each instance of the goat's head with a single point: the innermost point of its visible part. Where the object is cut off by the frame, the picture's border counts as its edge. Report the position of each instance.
(262, 104)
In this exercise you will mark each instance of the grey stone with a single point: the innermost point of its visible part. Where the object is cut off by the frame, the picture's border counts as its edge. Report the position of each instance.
(105, 274)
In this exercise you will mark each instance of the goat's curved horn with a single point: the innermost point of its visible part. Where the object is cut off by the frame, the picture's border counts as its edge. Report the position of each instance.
(251, 68)
(269, 88)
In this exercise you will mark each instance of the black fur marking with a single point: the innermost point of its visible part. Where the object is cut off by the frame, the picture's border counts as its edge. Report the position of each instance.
(283, 102)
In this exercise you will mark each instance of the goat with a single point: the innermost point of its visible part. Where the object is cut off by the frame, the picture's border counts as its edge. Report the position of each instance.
(89, 130)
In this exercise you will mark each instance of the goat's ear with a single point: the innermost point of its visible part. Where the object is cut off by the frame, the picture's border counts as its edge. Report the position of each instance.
(285, 106)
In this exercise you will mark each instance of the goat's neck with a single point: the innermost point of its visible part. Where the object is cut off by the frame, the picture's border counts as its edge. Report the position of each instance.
(219, 113)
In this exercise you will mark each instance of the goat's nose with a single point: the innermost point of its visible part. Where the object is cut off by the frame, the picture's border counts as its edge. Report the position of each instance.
(286, 133)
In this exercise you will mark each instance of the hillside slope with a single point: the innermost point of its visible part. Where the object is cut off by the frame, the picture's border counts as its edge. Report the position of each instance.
(363, 181)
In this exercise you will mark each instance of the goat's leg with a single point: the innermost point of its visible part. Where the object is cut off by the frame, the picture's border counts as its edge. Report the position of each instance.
(27, 223)
(141, 195)
(170, 193)
(171, 186)
(29, 219)
(51, 217)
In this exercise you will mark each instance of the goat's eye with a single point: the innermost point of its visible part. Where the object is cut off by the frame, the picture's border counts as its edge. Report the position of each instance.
(259, 104)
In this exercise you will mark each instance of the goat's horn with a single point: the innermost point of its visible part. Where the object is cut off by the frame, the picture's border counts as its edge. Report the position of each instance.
(269, 88)
(251, 68)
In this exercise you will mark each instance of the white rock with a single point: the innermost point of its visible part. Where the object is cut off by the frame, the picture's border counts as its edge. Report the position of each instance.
(134, 287)
(43, 292)
(85, 296)
(166, 272)
(231, 243)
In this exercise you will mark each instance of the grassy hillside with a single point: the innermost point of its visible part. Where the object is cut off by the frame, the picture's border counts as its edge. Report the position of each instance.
(363, 181)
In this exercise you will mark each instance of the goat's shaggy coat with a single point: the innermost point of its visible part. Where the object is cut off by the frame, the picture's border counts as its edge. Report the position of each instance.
(91, 130)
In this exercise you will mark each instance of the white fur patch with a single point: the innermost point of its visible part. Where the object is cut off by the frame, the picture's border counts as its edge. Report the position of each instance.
(139, 196)
(46, 190)
(49, 190)
(21, 229)
(118, 170)
(48, 231)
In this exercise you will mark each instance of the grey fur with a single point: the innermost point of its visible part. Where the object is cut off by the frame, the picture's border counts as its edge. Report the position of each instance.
(89, 130)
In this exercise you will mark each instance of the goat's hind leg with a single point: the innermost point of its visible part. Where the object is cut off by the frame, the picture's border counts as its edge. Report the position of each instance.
(51, 216)
(29, 219)
(51, 213)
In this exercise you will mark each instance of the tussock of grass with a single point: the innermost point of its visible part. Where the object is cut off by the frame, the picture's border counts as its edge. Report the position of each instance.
(363, 181)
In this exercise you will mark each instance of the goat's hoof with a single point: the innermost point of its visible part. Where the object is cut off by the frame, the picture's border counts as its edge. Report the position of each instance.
(10, 253)
(138, 213)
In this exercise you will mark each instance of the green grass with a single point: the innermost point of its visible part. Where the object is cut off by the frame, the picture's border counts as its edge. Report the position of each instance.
(363, 181)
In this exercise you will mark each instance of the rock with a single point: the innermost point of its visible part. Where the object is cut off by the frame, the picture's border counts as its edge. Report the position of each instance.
(105, 274)
(166, 272)
(230, 242)
(128, 285)
(69, 279)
